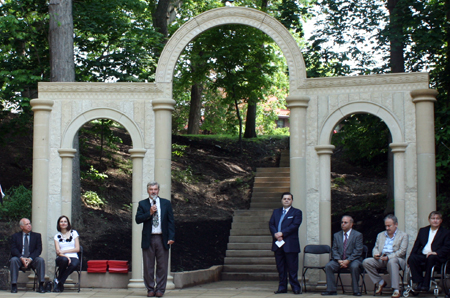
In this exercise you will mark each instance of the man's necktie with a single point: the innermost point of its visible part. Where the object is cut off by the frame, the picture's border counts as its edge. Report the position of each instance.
(26, 247)
(281, 220)
(344, 256)
(155, 216)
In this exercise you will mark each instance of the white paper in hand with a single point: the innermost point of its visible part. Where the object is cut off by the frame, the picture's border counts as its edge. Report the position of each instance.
(279, 243)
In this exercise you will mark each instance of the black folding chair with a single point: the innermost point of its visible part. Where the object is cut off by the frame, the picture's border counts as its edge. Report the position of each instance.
(77, 270)
(314, 249)
(346, 270)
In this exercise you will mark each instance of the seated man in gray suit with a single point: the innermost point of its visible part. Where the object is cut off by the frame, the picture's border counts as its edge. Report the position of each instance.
(346, 253)
(389, 251)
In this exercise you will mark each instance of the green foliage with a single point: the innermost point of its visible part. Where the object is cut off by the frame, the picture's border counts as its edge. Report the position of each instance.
(234, 64)
(93, 200)
(16, 204)
(364, 140)
(184, 176)
(178, 150)
(93, 174)
(115, 40)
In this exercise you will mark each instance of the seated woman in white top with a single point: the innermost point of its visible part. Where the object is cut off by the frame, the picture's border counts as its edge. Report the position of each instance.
(67, 245)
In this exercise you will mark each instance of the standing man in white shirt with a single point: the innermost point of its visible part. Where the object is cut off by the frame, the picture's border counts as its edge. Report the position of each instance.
(431, 247)
(158, 233)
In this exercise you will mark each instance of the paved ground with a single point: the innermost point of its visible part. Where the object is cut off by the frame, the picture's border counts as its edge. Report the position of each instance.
(222, 289)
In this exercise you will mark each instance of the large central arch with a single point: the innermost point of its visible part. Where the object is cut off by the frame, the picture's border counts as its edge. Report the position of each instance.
(225, 16)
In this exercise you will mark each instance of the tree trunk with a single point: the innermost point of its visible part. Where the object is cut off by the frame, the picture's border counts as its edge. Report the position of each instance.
(62, 69)
(236, 105)
(160, 17)
(250, 123)
(195, 109)
(397, 61)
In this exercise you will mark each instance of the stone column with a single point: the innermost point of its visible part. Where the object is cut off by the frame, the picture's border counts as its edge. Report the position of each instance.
(398, 150)
(136, 281)
(426, 160)
(41, 154)
(67, 155)
(297, 105)
(163, 154)
(324, 152)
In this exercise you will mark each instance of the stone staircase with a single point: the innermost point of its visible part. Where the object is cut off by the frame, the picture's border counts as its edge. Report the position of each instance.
(249, 255)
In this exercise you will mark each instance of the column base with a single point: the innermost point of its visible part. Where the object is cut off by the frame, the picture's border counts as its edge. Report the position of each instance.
(170, 285)
(136, 284)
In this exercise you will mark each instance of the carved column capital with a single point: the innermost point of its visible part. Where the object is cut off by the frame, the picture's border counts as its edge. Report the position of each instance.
(420, 95)
(324, 149)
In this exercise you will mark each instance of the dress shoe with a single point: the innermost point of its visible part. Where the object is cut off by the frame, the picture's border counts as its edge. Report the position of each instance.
(56, 288)
(357, 294)
(396, 294)
(329, 293)
(280, 292)
(151, 294)
(380, 287)
(14, 288)
(297, 292)
(41, 288)
(159, 294)
(417, 286)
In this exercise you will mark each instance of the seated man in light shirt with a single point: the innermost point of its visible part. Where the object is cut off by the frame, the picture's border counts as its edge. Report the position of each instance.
(431, 247)
(389, 251)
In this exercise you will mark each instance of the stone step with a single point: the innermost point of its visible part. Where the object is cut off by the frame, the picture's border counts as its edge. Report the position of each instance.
(265, 205)
(249, 253)
(250, 239)
(267, 194)
(272, 179)
(250, 246)
(250, 261)
(271, 170)
(274, 183)
(283, 172)
(253, 213)
(285, 163)
(250, 219)
(249, 232)
(251, 225)
(275, 189)
(250, 276)
(261, 199)
(250, 268)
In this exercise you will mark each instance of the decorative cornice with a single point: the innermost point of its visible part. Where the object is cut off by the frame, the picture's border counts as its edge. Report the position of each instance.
(98, 87)
(370, 80)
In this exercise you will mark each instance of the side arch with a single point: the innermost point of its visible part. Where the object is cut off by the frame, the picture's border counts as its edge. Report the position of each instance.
(232, 15)
(360, 107)
(103, 113)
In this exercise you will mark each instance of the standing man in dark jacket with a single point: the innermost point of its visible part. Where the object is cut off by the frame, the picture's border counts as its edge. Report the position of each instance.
(346, 253)
(158, 234)
(26, 247)
(431, 247)
(284, 225)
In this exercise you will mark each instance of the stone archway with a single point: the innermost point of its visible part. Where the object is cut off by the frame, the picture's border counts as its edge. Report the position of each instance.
(403, 101)
(231, 15)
